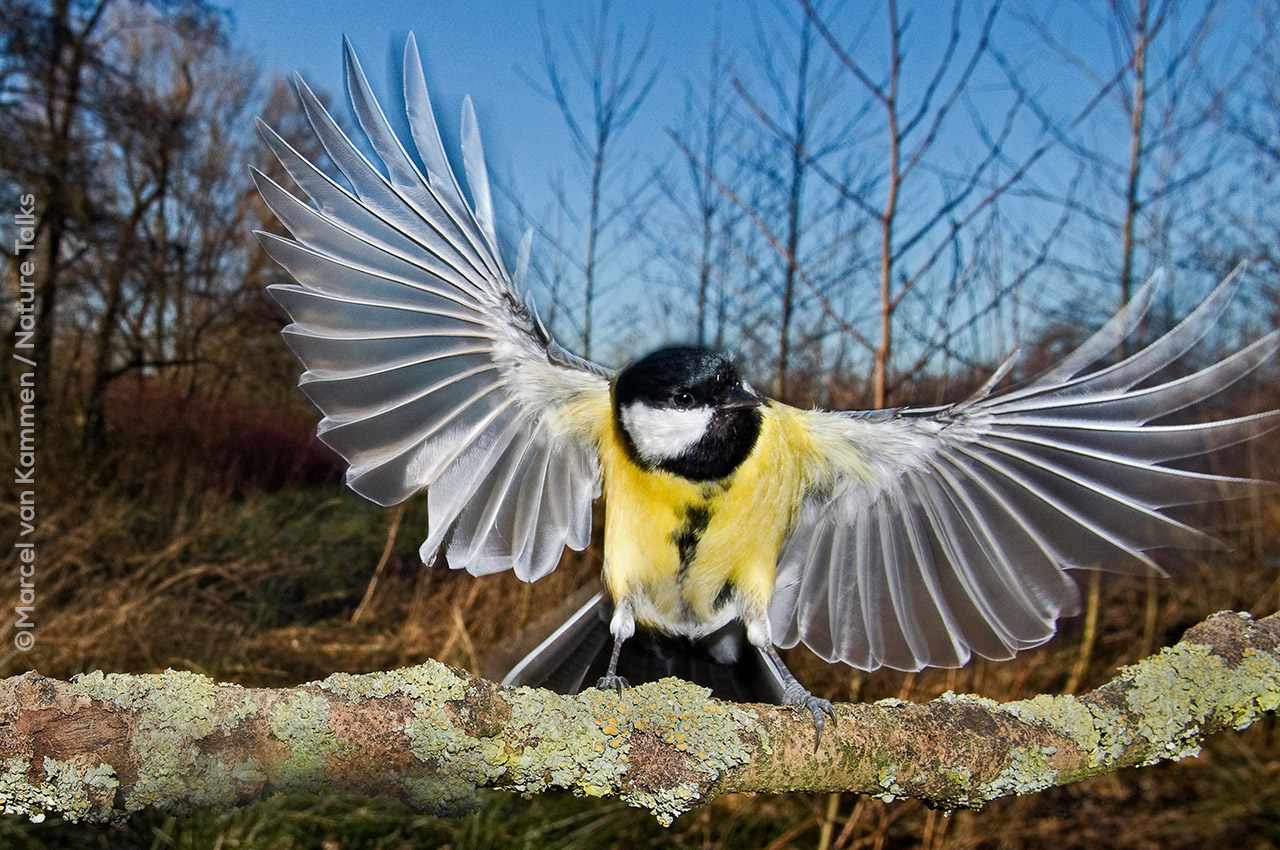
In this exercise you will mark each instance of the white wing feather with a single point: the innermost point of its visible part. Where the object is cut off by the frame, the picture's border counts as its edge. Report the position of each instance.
(949, 531)
(429, 370)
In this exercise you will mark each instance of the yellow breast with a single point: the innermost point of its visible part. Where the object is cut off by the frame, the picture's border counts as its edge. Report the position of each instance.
(686, 551)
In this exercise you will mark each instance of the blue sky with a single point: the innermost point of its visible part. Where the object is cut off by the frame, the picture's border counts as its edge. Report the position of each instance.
(483, 48)
(488, 49)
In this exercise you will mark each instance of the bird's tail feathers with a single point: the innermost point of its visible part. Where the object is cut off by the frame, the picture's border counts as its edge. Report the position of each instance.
(570, 651)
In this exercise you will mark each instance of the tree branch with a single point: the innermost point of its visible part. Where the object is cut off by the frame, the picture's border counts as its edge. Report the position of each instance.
(104, 745)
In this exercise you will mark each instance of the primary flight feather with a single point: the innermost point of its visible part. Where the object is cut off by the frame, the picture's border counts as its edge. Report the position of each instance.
(905, 538)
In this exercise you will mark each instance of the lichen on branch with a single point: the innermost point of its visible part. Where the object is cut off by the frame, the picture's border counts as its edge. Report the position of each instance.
(104, 745)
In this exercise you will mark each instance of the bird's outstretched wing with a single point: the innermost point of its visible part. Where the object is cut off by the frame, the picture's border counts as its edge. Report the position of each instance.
(428, 367)
(948, 531)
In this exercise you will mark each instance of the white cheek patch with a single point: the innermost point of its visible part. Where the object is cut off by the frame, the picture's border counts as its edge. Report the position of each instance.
(663, 434)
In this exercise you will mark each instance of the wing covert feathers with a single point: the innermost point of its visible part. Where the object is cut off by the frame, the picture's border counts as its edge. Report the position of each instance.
(430, 371)
(931, 535)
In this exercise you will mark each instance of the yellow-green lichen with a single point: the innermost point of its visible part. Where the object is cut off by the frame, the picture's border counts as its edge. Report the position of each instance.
(1174, 694)
(561, 744)
(451, 762)
(440, 795)
(301, 722)
(175, 710)
(888, 780)
(1263, 670)
(968, 699)
(666, 803)
(1094, 729)
(430, 681)
(711, 735)
(549, 741)
(66, 789)
(958, 778)
(1027, 771)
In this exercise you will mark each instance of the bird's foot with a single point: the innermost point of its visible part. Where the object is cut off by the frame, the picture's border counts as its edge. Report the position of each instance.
(612, 682)
(796, 694)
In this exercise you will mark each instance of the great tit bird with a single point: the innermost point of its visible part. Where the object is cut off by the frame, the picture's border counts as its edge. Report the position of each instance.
(733, 523)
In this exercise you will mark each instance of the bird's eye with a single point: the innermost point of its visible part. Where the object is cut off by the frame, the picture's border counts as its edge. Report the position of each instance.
(681, 400)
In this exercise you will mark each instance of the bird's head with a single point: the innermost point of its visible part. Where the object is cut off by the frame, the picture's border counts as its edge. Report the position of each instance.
(687, 410)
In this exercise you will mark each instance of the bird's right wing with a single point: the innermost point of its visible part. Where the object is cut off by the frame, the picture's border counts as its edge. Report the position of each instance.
(430, 371)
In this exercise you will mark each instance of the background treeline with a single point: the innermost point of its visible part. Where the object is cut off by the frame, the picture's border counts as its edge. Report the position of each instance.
(872, 203)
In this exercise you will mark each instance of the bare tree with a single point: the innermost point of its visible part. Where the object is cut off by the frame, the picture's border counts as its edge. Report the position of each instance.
(1152, 90)
(798, 139)
(705, 140)
(47, 54)
(1243, 223)
(133, 139)
(176, 246)
(619, 78)
(796, 114)
(914, 120)
(896, 143)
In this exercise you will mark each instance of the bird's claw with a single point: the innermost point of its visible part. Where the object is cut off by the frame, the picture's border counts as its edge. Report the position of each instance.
(613, 682)
(799, 696)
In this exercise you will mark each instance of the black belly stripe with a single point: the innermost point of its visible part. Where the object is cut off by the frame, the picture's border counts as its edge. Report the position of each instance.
(687, 537)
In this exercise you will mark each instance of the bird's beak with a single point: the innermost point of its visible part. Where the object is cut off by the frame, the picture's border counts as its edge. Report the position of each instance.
(741, 397)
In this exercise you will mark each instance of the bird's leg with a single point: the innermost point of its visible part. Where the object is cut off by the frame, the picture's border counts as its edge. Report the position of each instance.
(794, 693)
(760, 635)
(622, 626)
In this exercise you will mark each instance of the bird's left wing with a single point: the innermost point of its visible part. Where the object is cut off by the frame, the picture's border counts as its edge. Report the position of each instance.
(428, 367)
(930, 535)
